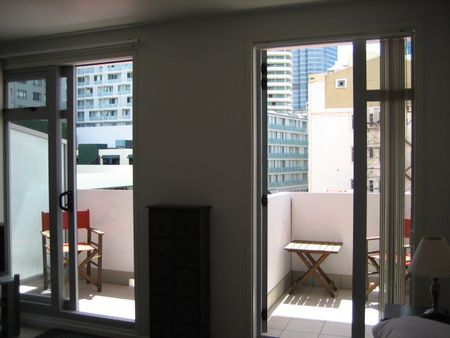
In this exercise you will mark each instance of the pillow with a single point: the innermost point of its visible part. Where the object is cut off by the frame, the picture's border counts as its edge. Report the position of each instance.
(411, 327)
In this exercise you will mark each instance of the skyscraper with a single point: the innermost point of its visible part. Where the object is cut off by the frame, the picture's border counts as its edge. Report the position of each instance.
(279, 81)
(304, 62)
(287, 139)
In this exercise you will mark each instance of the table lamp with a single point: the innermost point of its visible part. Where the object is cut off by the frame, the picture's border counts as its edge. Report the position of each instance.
(432, 259)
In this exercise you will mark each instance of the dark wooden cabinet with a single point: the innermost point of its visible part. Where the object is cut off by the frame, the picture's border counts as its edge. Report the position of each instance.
(9, 303)
(179, 271)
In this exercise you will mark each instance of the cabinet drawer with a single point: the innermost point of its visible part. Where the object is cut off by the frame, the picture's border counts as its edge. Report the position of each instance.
(187, 253)
(161, 224)
(161, 252)
(187, 283)
(187, 311)
(162, 282)
(186, 331)
(186, 224)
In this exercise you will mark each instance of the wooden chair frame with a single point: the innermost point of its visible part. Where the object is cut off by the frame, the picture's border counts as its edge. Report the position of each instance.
(373, 259)
(93, 247)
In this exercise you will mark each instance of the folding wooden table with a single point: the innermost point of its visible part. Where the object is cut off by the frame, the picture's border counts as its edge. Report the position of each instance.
(305, 250)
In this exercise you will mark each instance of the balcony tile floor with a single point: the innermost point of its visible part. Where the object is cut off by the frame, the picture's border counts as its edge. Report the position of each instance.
(311, 313)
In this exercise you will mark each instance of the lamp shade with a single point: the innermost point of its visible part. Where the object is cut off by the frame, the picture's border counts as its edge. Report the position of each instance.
(431, 258)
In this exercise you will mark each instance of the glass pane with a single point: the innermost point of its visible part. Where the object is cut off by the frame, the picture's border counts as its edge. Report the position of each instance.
(104, 133)
(408, 64)
(373, 64)
(28, 93)
(29, 197)
(63, 86)
(373, 209)
(408, 192)
(65, 187)
(310, 177)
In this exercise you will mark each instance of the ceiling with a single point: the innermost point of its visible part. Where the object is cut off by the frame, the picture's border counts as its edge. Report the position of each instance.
(21, 19)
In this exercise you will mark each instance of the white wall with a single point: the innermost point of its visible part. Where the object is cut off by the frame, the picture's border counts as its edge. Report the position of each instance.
(194, 126)
(329, 217)
(330, 135)
(278, 236)
(104, 134)
(112, 212)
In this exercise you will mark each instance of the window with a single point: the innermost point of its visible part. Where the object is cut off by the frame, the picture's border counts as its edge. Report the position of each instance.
(111, 159)
(341, 83)
(371, 185)
(37, 96)
(21, 94)
(112, 100)
(371, 152)
(113, 76)
(98, 78)
(129, 75)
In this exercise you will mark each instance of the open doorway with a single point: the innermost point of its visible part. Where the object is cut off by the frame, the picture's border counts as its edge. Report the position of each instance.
(308, 106)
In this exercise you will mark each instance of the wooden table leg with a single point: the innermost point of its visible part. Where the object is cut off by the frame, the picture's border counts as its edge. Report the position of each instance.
(322, 277)
(322, 273)
(313, 265)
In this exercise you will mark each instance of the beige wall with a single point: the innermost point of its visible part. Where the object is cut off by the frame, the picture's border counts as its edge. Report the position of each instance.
(194, 127)
(343, 97)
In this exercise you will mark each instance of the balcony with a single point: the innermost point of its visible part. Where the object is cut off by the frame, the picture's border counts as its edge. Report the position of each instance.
(324, 217)
(111, 211)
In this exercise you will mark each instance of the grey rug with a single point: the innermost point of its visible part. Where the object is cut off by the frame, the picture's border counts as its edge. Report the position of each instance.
(57, 333)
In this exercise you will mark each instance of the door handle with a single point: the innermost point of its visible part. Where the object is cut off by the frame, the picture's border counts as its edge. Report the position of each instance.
(67, 203)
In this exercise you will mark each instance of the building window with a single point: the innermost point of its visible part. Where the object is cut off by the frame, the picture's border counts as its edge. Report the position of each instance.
(341, 83)
(37, 96)
(21, 94)
(129, 75)
(111, 159)
(97, 78)
(113, 76)
(371, 152)
(371, 185)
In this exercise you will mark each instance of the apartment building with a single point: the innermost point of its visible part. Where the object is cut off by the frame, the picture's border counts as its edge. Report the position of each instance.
(104, 95)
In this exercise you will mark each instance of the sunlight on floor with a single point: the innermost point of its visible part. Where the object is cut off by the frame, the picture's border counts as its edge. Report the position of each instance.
(311, 312)
(114, 307)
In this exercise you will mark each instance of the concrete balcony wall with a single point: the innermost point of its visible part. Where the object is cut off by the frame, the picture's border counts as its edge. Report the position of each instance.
(278, 234)
(112, 212)
(315, 216)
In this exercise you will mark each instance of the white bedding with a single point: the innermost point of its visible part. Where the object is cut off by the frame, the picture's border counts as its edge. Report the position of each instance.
(411, 327)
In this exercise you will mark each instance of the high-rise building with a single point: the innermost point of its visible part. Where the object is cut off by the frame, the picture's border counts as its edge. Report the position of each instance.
(279, 81)
(305, 62)
(287, 152)
(104, 95)
(287, 139)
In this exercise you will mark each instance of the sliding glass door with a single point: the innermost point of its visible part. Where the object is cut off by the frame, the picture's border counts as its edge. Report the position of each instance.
(39, 148)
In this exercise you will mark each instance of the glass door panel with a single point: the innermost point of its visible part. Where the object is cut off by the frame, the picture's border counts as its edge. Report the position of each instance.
(27, 93)
(28, 198)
